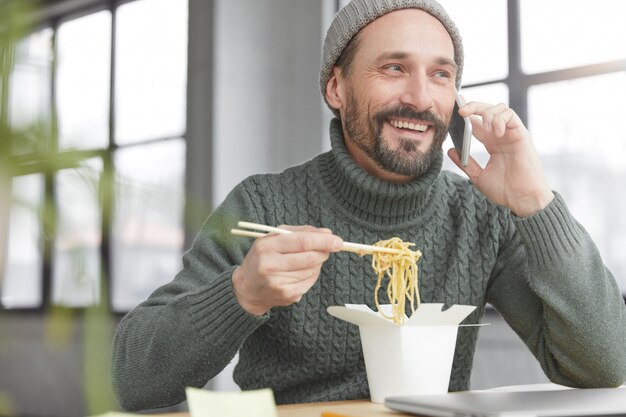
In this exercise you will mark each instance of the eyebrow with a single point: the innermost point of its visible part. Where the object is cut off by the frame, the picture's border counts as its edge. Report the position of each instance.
(392, 55)
(404, 55)
(447, 61)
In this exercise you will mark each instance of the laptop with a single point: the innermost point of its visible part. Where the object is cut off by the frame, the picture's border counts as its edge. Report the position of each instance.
(552, 403)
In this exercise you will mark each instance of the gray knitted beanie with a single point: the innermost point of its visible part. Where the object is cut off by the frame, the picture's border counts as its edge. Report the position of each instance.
(358, 13)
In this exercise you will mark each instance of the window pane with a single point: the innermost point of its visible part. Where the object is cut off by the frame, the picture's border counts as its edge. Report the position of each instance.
(29, 100)
(76, 272)
(558, 34)
(21, 287)
(83, 77)
(584, 160)
(492, 93)
(147, 228)
(483, 26)
(151, 70)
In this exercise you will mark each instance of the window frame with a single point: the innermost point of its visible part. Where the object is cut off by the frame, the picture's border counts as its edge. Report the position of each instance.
(52, 16)
(520, 82)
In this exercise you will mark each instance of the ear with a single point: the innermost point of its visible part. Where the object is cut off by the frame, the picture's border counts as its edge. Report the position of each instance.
(335, 89)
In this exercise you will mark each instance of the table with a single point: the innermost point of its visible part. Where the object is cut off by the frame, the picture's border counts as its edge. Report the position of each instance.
(354, 408)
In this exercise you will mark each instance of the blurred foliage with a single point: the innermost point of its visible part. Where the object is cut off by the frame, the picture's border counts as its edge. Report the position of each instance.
(24, 151)
(7, 408)
(13, 26)
(98, 333)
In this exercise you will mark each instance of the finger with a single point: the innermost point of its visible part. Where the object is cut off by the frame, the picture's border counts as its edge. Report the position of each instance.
(291, 288)
(478, 130)
(485, 110)
(301, 281)
(478, 108)
(503, 120)
(299, 242)
(453, 154)
(473, 107)
(489, 115)
(305, 228)
(472, 169)
(495, 118)
(292, 262)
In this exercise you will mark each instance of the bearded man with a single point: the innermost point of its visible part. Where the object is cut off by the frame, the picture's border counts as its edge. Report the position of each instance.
(390, 72)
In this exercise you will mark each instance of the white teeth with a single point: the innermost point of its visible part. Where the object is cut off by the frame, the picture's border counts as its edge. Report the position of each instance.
(407, 125)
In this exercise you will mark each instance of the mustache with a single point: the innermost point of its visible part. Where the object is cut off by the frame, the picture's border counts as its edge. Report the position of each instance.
(406, 112)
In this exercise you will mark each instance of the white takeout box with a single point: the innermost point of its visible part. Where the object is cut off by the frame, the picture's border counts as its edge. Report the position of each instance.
(412, 359)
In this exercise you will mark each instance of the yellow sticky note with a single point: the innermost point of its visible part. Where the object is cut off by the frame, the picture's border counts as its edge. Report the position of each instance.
(256, 403)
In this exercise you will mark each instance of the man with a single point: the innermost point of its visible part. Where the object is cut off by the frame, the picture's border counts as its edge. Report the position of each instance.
(390, 72)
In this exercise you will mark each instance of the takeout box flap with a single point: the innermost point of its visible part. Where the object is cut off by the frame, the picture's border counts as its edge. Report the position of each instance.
(358, 314)
(432, 314)
(428, 314)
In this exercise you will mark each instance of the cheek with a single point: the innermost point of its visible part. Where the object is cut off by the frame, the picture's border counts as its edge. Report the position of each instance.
(444, 104)
(389, 90)
(379, 99)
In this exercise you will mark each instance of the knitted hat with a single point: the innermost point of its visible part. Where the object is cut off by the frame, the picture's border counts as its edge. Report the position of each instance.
(358, 13)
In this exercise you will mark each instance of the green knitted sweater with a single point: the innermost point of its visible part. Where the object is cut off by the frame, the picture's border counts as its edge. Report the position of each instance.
(542, 273)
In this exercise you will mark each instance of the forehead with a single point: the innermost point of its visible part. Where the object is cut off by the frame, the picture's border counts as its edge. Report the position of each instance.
(408, 30)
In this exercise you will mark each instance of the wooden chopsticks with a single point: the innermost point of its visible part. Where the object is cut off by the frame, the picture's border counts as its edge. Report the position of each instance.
(359, 248)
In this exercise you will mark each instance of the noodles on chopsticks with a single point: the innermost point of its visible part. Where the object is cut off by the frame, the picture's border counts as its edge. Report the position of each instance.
(401, 270)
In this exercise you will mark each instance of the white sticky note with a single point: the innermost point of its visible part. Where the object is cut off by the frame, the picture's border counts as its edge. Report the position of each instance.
(255, 403)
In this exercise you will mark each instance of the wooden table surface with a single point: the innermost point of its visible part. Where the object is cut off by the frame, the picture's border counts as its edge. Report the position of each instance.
(356, 408)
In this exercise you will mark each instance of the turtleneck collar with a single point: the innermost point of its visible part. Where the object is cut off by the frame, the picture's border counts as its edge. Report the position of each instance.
(373, 200)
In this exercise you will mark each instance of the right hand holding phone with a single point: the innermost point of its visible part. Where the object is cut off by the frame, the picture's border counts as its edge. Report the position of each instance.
(513, 177)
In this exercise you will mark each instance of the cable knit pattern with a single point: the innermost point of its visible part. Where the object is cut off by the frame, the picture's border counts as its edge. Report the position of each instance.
(542, 273)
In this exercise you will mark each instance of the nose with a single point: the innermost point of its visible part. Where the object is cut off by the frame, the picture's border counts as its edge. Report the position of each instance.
(417, 92)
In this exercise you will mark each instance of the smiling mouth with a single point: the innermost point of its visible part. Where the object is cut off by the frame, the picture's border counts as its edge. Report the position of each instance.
(406, 125)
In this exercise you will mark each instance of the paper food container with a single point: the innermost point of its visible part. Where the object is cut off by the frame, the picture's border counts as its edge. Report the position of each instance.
(412, 359)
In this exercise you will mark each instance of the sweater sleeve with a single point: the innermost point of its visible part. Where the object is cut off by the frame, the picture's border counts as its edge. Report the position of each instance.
(190, 329)
(551, 286)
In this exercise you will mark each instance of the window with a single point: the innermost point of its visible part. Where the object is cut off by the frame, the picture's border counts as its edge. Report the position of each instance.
(22, 283)
(574, 129)
(147, 234)
(98, 192)
(561, 34)
(561, 65)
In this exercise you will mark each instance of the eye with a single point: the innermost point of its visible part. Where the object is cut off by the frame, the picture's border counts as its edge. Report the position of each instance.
(442, 74)
(393, 67)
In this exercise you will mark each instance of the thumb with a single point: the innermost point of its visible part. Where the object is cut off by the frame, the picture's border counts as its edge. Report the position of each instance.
(472, 170)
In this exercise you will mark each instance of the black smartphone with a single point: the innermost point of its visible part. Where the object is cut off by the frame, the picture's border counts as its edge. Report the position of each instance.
(461, 131)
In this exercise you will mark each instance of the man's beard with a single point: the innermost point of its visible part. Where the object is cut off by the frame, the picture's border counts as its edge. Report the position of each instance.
(406, 159)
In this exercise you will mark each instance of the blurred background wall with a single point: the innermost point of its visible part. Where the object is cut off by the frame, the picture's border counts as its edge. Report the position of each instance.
(125, 122)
